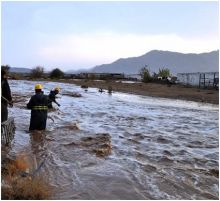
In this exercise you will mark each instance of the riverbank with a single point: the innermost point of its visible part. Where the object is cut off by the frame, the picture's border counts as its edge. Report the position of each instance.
(153, 89)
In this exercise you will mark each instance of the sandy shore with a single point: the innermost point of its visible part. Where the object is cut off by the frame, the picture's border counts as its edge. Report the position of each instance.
(155, 90)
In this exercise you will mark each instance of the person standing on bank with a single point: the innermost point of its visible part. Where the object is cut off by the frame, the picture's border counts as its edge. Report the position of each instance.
(5, 96)
(39, 106)
(52, 97)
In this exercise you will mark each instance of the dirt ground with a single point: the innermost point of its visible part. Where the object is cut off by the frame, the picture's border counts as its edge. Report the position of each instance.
(175, 91)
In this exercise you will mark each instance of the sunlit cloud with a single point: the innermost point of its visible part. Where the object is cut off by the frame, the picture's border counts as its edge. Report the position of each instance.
(98, 48)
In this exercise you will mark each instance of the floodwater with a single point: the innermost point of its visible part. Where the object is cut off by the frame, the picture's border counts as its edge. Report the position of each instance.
(160, 148)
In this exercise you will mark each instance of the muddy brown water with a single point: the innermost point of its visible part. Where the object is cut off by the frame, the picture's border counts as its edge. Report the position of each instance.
(151, 148)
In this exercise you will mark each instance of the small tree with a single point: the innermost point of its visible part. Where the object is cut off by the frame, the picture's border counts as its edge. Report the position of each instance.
(164, 72)
(145, 74)
(37, 72)
(5, 68)
(56, 73)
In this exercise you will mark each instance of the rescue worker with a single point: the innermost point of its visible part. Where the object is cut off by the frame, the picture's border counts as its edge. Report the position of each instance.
(52, 97)
(5, 96)
(39, 106)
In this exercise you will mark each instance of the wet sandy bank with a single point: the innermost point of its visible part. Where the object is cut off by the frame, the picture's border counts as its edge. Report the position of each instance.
(154, 90)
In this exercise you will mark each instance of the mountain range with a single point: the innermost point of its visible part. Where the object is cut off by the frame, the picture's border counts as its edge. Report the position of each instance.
(19, 70)
(156, 59)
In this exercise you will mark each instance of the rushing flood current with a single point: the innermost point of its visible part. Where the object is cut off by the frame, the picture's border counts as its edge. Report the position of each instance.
(160, 148)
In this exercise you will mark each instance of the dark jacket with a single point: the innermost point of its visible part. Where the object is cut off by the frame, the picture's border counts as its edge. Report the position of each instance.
(39, 106)
(6, 92)
(52, 98)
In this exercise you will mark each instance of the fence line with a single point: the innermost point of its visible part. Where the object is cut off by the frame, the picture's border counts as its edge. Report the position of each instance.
(205, 80)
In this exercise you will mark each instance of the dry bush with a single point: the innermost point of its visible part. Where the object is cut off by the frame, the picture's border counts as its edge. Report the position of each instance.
(21, 164)
(12, 168)
(17, 185)
(26, 189)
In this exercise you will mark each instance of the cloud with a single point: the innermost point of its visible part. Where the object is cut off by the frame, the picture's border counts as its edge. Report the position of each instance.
(93, 49)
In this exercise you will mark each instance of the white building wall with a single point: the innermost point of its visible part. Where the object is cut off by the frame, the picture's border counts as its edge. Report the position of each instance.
(193, 78)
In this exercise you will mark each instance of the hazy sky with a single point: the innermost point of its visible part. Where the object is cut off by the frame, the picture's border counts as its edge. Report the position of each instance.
(76, 35)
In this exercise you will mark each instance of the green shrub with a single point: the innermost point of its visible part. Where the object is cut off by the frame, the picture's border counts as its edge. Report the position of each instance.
(164, 72)
(145, 74)
(56, 73)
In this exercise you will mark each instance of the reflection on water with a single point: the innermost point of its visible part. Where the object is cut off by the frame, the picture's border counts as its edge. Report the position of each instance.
(160, 148)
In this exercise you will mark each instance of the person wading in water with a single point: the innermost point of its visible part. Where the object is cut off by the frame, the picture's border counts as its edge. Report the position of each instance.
(52, 97)
(39, 106)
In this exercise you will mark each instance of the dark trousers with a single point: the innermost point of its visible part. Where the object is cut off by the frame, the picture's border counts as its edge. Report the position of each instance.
(50, 105)
(4, 112)
(38, 120)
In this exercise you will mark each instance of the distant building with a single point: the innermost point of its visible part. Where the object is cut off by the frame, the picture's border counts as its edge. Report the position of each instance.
(102, 75)
(71, 76)
(208, 79)
(134, 77)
